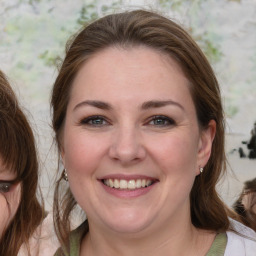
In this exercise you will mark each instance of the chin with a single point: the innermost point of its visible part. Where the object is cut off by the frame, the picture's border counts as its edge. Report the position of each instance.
(131, 223)
(127, 228)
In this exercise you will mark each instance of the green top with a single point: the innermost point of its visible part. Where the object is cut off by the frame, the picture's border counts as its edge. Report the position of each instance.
(217, 249)
(218, 246)
(74, 241)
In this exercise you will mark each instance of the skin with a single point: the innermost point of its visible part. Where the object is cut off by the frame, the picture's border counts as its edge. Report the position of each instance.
(128, 140)
(9, 200)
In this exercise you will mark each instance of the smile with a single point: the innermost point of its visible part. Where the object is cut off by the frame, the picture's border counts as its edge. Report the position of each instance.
(128, 184)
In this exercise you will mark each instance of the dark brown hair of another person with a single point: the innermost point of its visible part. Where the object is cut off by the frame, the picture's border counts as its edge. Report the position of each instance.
(18, 151)
(248, 215)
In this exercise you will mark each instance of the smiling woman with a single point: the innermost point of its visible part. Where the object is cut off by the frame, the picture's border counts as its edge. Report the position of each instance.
(21, 213)
(139, 125)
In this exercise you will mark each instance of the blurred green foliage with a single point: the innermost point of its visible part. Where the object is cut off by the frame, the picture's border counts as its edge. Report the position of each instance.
(204, 35)
(88, 12)
(36, 31)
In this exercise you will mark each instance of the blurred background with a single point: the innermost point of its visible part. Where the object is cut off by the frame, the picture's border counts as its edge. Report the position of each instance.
(33, 34)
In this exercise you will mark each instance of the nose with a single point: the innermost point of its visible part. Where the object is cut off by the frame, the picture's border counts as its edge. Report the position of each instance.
(127, 146)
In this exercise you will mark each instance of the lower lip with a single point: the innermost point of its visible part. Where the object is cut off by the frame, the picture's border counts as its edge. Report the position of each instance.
(128, 193)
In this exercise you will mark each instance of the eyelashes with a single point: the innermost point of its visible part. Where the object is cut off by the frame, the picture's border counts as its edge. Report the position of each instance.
(153, 121)
(161, 121)
(95, 121)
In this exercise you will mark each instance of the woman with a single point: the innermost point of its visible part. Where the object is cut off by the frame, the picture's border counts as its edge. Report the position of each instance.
(21, 213)
(245, 205)
(139, 126)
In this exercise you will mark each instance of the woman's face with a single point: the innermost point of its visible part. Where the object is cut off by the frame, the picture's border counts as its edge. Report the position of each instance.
(131, 143)
(9, 196)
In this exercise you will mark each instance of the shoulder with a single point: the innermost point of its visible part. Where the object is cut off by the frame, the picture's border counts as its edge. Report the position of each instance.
(75, 238)
(43, 241)
(241, 240)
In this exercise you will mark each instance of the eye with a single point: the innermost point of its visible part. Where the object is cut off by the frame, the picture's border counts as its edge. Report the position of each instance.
(161, 121)
(5, 187)
(96, 121)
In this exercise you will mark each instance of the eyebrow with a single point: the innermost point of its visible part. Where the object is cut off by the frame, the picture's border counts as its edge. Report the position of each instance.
(94, 103)
(146, 105)
(159, 104)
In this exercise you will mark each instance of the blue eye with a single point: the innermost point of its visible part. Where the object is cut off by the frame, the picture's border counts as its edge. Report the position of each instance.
(161, 121)
(5, 187)
(94, 121)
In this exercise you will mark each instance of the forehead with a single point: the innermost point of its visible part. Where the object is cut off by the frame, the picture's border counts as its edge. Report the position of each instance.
(135, 70)
(6, 173)
(141, 59)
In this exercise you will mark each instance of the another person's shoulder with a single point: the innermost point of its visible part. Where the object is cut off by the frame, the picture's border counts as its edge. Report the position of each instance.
(241, 240)
(43, 241)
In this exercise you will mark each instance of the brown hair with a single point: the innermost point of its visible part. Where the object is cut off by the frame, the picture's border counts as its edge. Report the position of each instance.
(247, 212)
(140, 27)
(18, 152)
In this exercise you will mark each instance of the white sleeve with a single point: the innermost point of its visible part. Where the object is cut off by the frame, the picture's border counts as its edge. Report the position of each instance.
(241, 244)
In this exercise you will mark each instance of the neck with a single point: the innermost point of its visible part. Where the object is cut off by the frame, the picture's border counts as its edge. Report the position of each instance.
(184, 240)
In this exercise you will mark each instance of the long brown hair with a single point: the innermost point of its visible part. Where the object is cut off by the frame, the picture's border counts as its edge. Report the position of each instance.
(130, 29)
(18, 152)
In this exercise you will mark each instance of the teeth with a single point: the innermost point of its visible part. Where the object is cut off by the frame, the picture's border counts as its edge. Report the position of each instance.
(127, 184)
(116, 183)
(138, 183)
(111, 183)
(106, 182)
(131, 184)
(123, 184)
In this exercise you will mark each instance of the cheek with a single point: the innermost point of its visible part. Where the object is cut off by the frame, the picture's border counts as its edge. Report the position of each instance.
(9, 204)
(14, 197)
(82, 159)
(4, 214)
(177, 152)
(83, 154)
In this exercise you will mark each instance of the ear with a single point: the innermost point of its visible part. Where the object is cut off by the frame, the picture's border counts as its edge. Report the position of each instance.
(205, 145)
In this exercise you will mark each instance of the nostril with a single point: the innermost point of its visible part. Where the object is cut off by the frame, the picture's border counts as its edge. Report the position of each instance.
(126, 145)
(127, 153)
